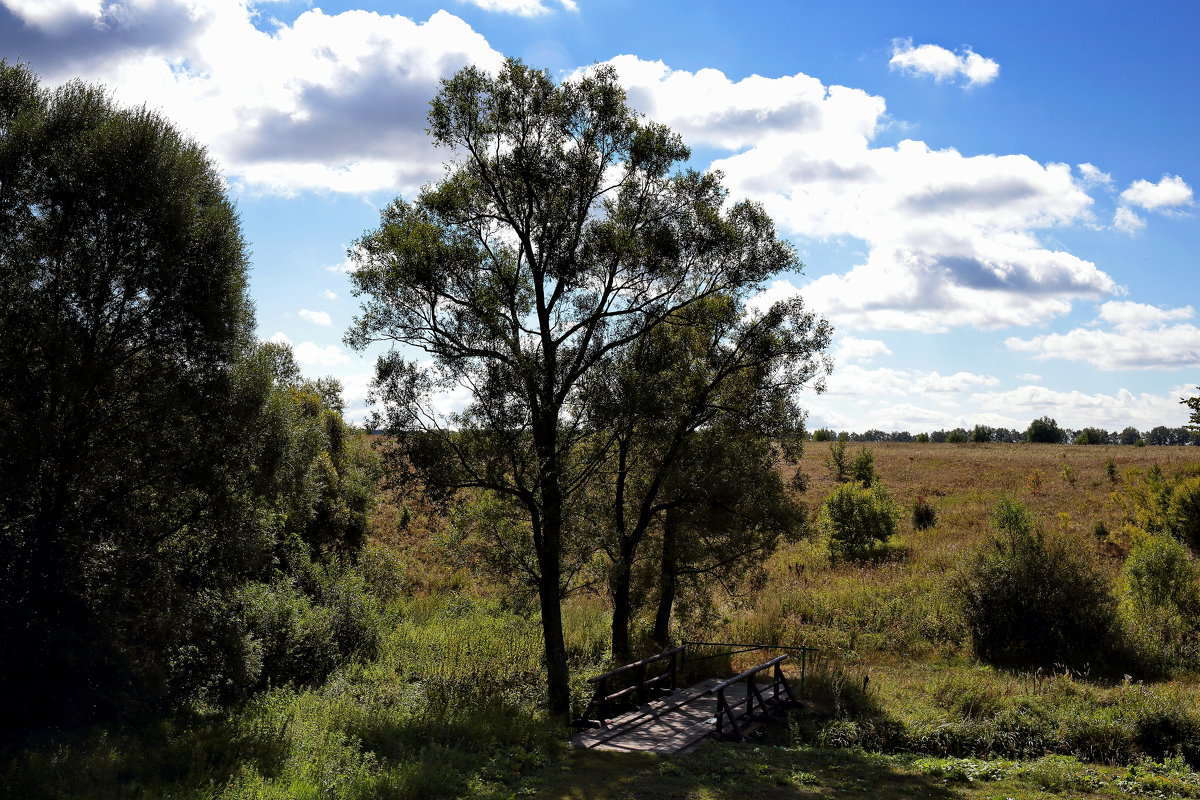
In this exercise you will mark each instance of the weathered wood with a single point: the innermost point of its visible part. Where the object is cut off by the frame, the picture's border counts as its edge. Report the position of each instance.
(678, 723)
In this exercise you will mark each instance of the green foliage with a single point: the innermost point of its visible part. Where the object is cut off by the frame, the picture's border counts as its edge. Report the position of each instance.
(822, 435)
(1193, 404)
(982, 434)
(956, 436)
(155, 458)
(1183, 511)
(924, 515)
(1035, 600)
(859, 521)
(1161, 601)
(1092, 436)
(836, 462)
(553, 191)
(862, 469)
(1044, 430)
(922, 438)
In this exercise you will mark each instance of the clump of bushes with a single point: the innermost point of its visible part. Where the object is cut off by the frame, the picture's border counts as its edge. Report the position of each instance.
(1161, 601)
(859, 520)
(1032, 599)
(924, 515)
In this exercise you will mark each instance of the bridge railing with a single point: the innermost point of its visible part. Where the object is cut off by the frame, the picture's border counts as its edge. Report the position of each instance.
(639, 691)
(806, 656)
(728, 713)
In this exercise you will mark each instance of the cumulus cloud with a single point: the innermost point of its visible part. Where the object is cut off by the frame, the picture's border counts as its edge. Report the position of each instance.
(933, 382)
(329, 294)
(1124, 313)
(311, 354)
(1030, 377)
(951, 239)
(316, 317)
(1141, 339)
(1076, 409)
(1171, 191)
(1127, 221)
(329, 101)
(521, 8)
(852, 348)
(942, 65)
(1094, 176)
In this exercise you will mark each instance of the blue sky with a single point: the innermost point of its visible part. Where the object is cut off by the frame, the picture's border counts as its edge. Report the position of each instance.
(994, 202)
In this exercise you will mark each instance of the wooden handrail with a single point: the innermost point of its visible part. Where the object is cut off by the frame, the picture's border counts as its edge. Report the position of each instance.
(743, 676)
(645, 661)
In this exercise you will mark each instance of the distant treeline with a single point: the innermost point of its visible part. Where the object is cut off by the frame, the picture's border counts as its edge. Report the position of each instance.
(1161, 435)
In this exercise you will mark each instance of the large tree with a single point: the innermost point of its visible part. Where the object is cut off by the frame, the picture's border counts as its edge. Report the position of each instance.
(122, 310)
(563, 231)
(1193, 403)
(716, 385)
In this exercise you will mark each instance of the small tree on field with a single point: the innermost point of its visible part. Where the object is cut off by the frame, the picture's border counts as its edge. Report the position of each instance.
(858, 520)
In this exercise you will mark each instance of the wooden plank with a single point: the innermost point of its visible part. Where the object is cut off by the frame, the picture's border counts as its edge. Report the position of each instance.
(675, 724)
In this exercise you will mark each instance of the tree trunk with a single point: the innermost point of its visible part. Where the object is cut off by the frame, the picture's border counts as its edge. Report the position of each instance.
(549, 554)
(622, 610)
(667, 578)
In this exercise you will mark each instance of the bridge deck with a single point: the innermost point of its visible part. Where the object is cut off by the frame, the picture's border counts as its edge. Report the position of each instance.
(677, 723)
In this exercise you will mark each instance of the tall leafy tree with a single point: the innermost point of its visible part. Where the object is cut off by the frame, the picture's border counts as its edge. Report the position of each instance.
(714, 386)
(563, 232)
(122, 308)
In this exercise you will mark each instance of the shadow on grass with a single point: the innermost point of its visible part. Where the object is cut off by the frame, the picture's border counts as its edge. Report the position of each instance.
(735, 772)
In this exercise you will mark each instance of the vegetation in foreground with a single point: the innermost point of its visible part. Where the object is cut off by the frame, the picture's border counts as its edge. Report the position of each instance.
(450, 706)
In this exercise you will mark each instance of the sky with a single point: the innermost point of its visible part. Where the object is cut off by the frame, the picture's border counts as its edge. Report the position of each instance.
(994, 202)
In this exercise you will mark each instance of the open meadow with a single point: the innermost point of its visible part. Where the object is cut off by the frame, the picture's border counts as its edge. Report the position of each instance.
(900, 707)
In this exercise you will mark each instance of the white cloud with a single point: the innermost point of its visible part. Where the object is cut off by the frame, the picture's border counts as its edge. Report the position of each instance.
(1162, 347)
(1077, 409)
(311, 354)
(1094, 176)
(941, 64)
(316, 317)
(329, 294)
(951, 239)
(1126, 314)
(1170, 191)
(852, 348)
(521, 8)
(1031, 377)
(331, 102)
(1126, 221)
(933, 382)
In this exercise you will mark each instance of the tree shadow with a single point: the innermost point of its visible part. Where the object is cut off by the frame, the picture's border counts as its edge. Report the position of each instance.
(720, 771)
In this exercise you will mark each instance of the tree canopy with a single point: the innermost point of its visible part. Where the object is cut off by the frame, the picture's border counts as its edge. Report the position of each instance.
(154, 458)
(564, 231)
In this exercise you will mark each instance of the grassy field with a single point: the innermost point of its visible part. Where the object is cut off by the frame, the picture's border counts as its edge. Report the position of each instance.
(900, 708)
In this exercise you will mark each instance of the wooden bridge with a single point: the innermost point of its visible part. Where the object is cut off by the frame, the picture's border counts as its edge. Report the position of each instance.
(650, 713)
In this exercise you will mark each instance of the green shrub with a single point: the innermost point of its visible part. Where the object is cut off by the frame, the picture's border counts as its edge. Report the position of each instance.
(924, 515)
(1035, 600)
(859, 521)
(862, 469)
(1161, 601)
(299, 634)
(837, 461)
(1183, 512)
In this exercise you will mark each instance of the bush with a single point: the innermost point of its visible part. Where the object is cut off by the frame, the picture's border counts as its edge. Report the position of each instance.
(862, 469)
(1161, 601)
(859, 521)
(1034, 600)
(1183, 512)
(924, 515)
